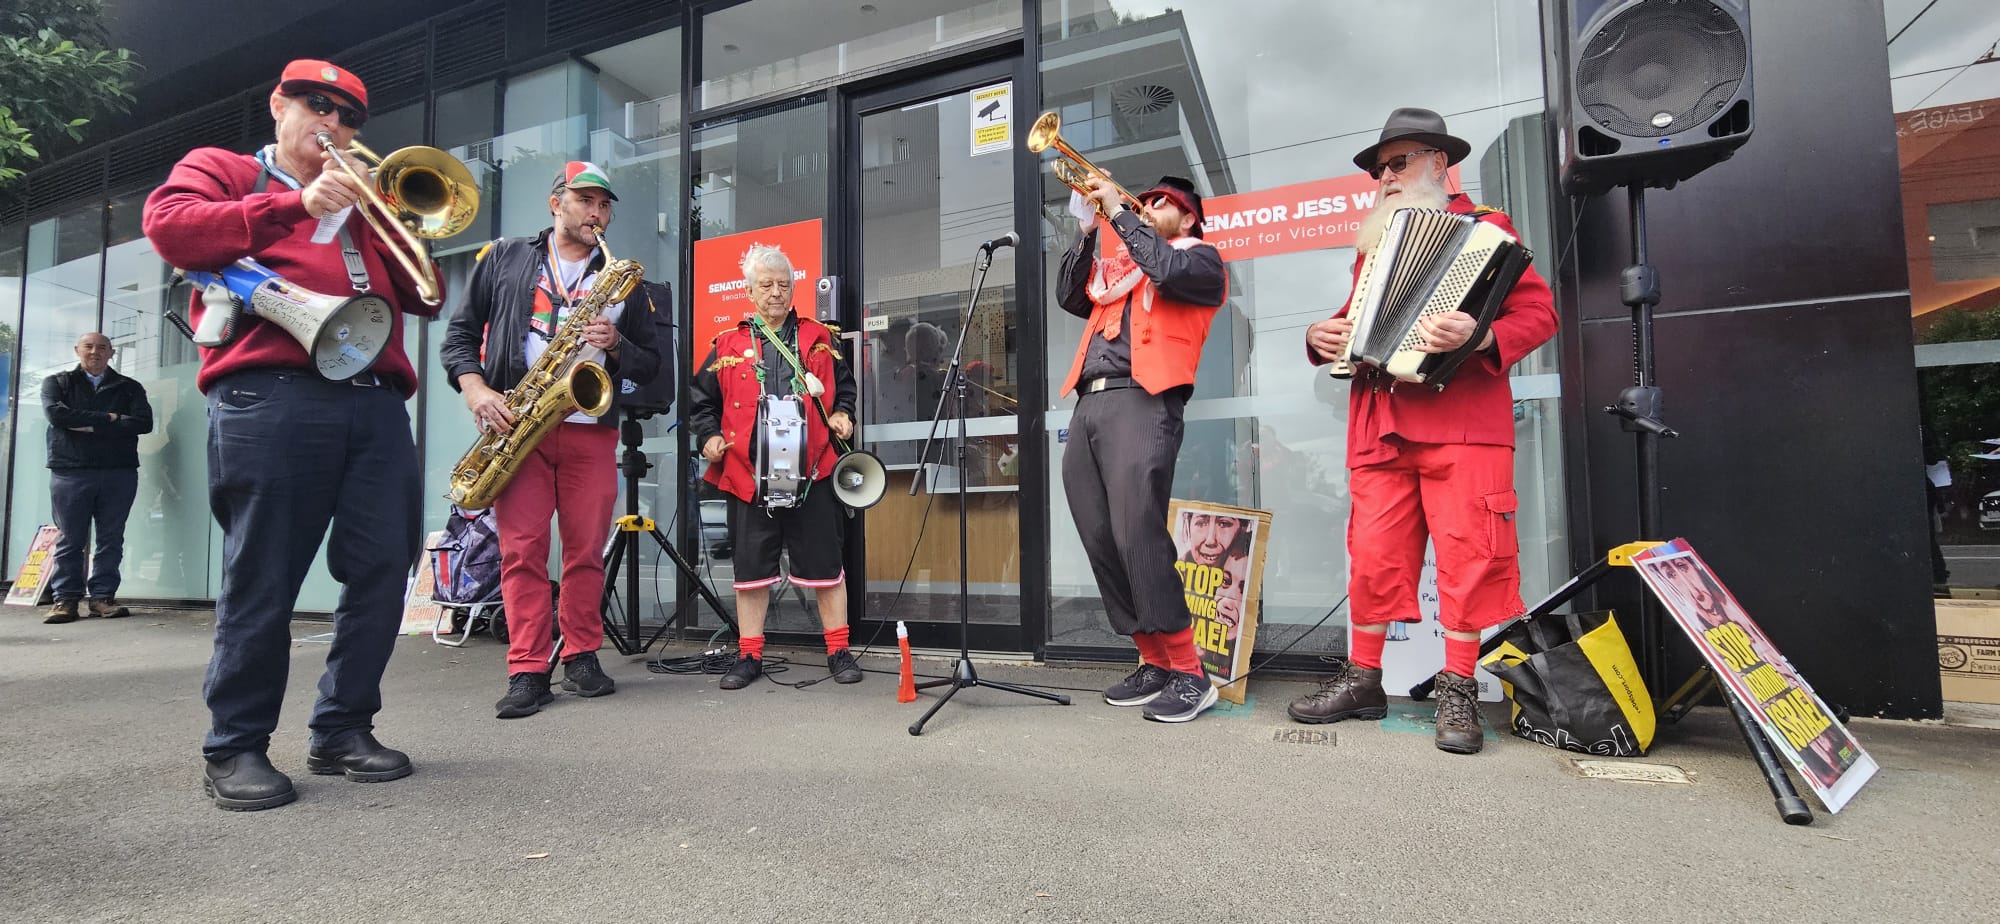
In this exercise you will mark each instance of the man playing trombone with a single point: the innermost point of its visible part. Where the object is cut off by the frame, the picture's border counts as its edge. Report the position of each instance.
(291, 454)
(514, 307)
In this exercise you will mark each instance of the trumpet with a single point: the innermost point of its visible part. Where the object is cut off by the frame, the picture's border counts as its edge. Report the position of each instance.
(1070, 167)
(421, 191)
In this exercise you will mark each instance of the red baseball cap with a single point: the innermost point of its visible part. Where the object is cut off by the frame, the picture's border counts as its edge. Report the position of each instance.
(307, 74)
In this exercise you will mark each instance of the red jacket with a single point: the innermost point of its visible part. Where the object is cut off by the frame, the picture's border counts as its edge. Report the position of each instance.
(1478, 405)
(206, 217)
(725, 392)
(1167, 333)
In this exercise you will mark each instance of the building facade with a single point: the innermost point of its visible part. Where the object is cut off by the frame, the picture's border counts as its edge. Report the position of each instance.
(882, 142)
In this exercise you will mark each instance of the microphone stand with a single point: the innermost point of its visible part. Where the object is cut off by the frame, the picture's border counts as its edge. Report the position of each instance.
(962, 675)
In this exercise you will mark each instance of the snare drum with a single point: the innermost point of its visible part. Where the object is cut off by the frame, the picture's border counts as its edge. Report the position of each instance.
(781, 449)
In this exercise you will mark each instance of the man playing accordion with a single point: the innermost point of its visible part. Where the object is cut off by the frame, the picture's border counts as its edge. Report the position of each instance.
(1428, 463)
(796, 362)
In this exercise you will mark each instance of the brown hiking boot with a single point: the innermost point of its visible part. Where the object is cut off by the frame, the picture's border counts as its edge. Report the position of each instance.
(107, 608)
(1458, 714)
(64, 611)
(1351, 693)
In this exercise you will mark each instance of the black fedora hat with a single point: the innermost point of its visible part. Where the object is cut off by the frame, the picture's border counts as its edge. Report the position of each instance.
(1411, 124)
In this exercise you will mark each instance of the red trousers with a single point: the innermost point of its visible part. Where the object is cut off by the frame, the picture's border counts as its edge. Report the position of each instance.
(574, 471)
(1460, 497)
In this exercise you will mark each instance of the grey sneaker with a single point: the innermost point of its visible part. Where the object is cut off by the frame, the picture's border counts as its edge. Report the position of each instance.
(1186, 696)
(527, 693)
(1139, 687)
(583, 676)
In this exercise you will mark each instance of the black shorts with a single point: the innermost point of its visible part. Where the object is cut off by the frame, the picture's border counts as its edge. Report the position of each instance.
(813, 533)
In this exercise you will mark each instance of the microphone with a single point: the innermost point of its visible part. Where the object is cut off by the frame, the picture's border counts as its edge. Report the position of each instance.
(1013, 238)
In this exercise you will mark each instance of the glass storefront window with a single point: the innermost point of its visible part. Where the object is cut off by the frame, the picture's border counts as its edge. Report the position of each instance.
(1232, 96)
(1944, 83)
(13, 264)
(65, 265)
(169, 536)
(751, 175)
(767, 47)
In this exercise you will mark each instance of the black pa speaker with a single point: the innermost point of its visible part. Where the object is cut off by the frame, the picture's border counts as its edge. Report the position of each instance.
(1652, 91)
(656, 396)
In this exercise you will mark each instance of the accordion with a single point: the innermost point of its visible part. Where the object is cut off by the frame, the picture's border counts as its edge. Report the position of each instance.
(1428, 262)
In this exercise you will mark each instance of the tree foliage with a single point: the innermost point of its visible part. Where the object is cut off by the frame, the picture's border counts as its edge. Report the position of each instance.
(1962, 403)
(59, 73)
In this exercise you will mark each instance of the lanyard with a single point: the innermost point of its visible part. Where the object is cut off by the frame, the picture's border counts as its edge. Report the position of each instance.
(357, 271)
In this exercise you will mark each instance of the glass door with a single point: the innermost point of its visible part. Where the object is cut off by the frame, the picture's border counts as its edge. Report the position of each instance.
(930, 169)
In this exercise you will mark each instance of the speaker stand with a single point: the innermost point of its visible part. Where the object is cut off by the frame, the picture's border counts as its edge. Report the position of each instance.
(629, 638)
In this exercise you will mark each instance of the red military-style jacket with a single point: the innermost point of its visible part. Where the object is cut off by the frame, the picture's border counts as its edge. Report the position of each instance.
(1478, 405)
(725, 393)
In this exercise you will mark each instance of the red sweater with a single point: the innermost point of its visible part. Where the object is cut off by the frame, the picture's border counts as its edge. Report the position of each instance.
(206, 217)
(1478, 405)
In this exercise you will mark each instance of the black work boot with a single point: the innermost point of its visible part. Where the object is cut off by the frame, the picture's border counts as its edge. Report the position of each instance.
(246, 782)
(583, 676)
(527, 693)
(1458, 714)
(360, 758)
(1351, 693)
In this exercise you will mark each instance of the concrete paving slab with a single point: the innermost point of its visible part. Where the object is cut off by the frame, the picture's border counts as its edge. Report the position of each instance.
(674, 800)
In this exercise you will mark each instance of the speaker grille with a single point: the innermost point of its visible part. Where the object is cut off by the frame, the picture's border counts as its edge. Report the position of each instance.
(1661, 67)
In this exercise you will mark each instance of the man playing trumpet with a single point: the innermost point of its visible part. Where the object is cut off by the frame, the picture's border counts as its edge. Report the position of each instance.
(291, 454)
(515, 302)
(1147, 288)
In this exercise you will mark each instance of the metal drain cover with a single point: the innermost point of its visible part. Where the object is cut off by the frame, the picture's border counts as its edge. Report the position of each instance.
(1314, 736)
(1629, 771)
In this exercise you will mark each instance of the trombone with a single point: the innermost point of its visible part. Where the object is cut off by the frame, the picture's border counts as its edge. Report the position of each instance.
(421, 191)
(1070, 167)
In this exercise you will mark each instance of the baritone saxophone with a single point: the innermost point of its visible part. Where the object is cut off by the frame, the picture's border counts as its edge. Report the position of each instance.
(556, 386)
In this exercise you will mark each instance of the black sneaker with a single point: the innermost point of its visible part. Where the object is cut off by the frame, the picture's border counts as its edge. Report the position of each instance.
(1186, 696)
(743, 673)
(583, 676)
(527, 693)
(1138, 688)
(842, 666)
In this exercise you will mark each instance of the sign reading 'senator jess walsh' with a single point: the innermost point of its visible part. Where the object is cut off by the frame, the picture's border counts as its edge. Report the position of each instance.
(720, 296)
(1314, 215)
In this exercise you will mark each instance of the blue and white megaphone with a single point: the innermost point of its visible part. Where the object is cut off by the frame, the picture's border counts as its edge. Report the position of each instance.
(343, 334)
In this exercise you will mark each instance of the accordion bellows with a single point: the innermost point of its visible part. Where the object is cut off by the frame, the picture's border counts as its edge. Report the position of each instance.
(1429, 262)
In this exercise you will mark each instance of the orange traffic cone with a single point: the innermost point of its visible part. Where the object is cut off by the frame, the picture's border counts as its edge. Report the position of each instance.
(906, 692)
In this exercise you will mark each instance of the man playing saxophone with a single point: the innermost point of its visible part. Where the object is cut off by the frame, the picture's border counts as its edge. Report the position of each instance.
(515, 303)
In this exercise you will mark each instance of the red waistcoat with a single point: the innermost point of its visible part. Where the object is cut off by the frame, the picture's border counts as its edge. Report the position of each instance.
(1166, 335)
(737, 355)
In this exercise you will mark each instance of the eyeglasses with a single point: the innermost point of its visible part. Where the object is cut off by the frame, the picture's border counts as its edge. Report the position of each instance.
(1398, 163)
(1158, 202)
(321, 104)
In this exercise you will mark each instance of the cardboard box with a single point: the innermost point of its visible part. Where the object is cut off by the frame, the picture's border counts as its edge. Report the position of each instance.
(1968, 634)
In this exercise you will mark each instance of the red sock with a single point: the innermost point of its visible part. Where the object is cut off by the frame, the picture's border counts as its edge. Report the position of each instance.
(836, 639)
(1461, 656)
(1181, 654)
(1152, 650)
(1364, 648)
(751, 646)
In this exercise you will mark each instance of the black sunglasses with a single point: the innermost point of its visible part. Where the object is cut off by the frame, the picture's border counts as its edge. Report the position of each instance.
(321, 104)
(1398, 163)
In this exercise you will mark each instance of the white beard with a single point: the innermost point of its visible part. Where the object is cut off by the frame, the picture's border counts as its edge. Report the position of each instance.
(1427, 193)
